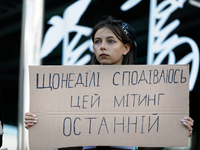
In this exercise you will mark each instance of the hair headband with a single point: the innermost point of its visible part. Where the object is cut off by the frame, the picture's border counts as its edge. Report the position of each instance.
(130, 31)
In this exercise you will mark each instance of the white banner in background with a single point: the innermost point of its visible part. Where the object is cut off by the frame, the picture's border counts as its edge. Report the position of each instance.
(60, 30)
(162, 46)
(159, 46)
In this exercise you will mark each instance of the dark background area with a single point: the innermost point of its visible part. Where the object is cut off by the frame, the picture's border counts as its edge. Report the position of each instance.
(138, 17)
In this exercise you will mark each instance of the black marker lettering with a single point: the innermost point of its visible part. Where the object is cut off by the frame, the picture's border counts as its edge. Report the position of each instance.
(75, 126)
(159, 97)
(70, 80)
(64, 80)
(79, 80)
(77, 105)
(153, 99)
(123, 77)
(64, 126)
(58, 81)
(97, 100)
(90, 124)
(142, 77)
(98, 78)
(183, 79)
(122, 100)
(135, 123)
(114, 79)
(155, 76)
(84, 101)
(132, 77)
(122, 123)
(151, 126)
(43, 82)
(142, 128)
(103, 120)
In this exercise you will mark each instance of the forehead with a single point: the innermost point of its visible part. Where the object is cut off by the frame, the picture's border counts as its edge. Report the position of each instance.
(104, 32)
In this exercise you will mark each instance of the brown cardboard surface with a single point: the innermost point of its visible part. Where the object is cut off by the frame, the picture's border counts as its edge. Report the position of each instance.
(126, 105)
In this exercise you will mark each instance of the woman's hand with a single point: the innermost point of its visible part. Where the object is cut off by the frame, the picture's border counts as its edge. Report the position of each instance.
(30, 119)
(188, 122)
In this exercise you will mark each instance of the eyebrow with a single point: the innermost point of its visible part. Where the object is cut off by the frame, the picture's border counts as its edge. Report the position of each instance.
(106, 37)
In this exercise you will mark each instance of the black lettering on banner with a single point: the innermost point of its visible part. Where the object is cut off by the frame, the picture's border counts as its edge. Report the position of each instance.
(92, 78)
(90, 124)
(118, 124)
(132, 77)
(162, 75)
(98, 78)
(175, 76)
(114, 79)
(142, 77)
(142, 128)
(116, 102)
(144, 99)
(150, 76)
(155, 76)
(64, 126)
(134, 98)
(127, 95)
(64, 80)
(69, 127)
(86, 77)
(70, 80)
(58, 81)
(171, 75)
(97, 100)
(167, 74)
(151, 126)
(43, 82)
(129, 123)
(153, 99)
(123, 77)
(103, 120)
(84, 101)
(75, 126)
(183, 79)
(77, 105)
(79, 80)
(159, 97)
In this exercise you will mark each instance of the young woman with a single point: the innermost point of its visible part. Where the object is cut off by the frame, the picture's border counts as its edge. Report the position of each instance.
(114, 43)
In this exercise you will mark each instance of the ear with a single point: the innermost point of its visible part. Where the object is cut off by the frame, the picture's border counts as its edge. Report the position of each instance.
(127, 48)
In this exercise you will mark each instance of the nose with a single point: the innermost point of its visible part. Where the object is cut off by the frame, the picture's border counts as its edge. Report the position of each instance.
(103, 46)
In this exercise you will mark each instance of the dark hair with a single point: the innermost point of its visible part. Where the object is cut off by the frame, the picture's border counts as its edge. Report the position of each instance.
(124, 32)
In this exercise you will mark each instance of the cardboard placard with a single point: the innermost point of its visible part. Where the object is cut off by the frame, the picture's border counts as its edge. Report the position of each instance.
(126, 105)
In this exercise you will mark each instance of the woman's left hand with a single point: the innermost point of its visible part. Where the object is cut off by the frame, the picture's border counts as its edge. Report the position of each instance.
(188, 122)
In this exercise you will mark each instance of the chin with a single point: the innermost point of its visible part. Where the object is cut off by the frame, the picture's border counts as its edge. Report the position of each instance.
(104, 63)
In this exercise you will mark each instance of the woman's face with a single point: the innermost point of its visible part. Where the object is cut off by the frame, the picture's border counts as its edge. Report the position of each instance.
(109, 50)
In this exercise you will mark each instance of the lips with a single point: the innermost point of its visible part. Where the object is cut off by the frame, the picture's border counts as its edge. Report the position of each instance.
(103, 55)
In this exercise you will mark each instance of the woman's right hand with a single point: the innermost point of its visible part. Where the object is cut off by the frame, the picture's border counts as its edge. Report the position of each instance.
(30, 120)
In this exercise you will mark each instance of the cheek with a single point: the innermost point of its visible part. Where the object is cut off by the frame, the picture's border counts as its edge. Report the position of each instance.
(94, 49)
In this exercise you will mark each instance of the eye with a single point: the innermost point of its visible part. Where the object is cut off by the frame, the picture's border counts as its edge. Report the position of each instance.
(110, 41)
(97, 41)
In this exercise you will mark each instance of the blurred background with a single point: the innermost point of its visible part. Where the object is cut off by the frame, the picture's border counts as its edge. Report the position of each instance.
(167, 31)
